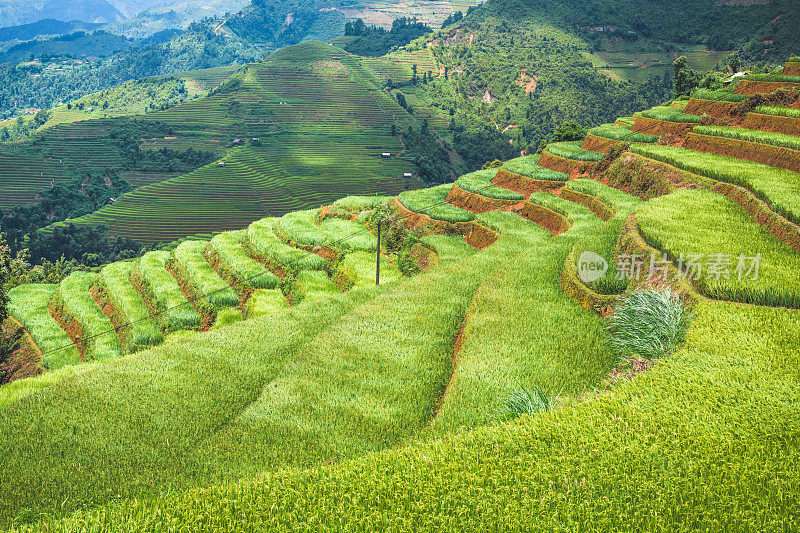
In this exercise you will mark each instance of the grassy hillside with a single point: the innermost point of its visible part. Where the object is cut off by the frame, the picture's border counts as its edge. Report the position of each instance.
(320, 123)
(315, 398)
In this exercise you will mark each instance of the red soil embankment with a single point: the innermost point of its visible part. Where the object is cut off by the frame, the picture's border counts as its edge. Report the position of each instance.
(578, 291)
(523, 184)
(567, 166)
(474, 233)
(791, 69)
(26, 361)
(474, 202)
(652, 126)
(552, 221)
(767, 154)
(594, 143)
(711, 108)
(752, 87)
(597, 206)
(773, 123)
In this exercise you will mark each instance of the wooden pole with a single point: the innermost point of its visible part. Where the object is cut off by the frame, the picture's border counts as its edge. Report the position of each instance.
(378, 257)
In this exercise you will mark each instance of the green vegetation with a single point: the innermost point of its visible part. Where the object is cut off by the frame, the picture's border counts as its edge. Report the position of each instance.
(648, 323)
(129, 307)
(269, 247)
(526, 166)
(691, 223)
(266, 302)
(75, 303)
(756, 136)
(232, 256)
(374, 41)
(432, 202)
(572, 150)
(30, 305)
(622, 134)
(166, 296)
(300, 228)
(480, 182)
(347, 235)
(359, 268)
(779, 111)
(312, 284)
(670, 115)
(449, 248)
(206, 283)
(778, 187)
(719, 95)
(773, 77)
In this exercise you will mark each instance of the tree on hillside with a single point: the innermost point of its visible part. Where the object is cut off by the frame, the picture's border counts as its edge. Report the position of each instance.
(685, 78)
(569, 131)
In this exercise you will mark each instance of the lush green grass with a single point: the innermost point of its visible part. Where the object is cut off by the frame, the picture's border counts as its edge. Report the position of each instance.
(30, 305)
(480, 182)
(572, 150)
(300, 227)
(360, 268)
(778, 187)
(347, 235)
(261, 237)
(772, 77)
(432, 202)
(314, 283)
(115, 280)
(621, 133)
(523, 330)
(650, 439)
(449, 248)
(97, 333)
(142, 424)
(669, 115)
(756, 136)
(779, 111)
(266, 302)
(233, 257)
(169, 302)
(360, 203)
(207, 284)
(526, 166)
(699, 222)
(719, 96)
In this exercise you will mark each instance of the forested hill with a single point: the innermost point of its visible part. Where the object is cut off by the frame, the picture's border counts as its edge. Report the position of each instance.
(758, 29)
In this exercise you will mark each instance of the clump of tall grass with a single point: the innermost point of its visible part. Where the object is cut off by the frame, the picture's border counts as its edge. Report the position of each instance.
(648, 323)
(525, 401)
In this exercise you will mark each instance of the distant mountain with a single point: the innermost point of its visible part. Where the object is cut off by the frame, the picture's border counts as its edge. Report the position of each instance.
(18, 12)
(46, 27)
(85, 10)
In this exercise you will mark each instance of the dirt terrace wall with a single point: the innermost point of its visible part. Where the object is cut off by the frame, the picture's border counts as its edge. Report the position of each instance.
(594, 143)
(473, 232)
(567, 166)
(775, 156)
(475, 202)
(597, 206)
(523, 184)
(791, 69)
(555, 222)
(762, 87)
(652, 126)
(715, 109)
(773, 123)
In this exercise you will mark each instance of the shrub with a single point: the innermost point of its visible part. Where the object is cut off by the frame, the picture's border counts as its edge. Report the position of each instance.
(648, 323)
(525, 401)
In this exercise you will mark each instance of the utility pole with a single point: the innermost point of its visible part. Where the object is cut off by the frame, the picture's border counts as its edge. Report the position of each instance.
(378, 257)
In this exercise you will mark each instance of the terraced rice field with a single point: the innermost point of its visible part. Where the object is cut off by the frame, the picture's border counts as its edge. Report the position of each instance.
(349, 399)
(323, 123)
